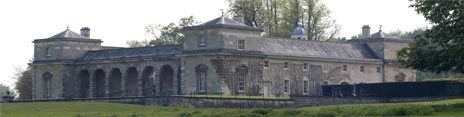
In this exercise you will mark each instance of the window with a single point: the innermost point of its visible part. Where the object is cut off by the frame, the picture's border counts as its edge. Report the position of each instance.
(266, 64)
(345, 68)
(47, 80)
(241, 77)
(305, 66)
(361, 69)
(241, 44)
(326, 68)
(285, 65)
(378, 69)
(286, 86)
(241, 81)
(48, 52)
(305, 87)
(201, 77)
(202, 41)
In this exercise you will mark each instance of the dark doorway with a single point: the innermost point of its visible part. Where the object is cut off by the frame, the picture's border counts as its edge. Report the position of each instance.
(99, 83)
(131, 83)
(84, 83)
(166, 80)
(115, 83)
(147, 81)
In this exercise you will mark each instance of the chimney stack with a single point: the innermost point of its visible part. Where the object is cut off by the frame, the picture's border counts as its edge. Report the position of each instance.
(239, 18)
(366, 31)
(85, 31)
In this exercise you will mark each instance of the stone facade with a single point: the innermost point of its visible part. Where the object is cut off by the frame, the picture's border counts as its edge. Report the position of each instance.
(221, 56)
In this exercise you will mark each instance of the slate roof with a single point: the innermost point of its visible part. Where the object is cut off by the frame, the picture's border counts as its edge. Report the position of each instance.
(381, 34)
(67, 34)
(132, 53)
(315, 49)
(222, 22)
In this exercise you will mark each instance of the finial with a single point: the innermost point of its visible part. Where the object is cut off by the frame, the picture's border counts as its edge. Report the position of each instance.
(67, 27)
(222, 12)
(380, 29)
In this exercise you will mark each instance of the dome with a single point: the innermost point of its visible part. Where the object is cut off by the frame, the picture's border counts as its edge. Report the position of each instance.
(298, 31)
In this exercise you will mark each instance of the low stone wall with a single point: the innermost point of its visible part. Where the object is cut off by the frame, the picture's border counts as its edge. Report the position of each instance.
(211, 102)
(317, 101)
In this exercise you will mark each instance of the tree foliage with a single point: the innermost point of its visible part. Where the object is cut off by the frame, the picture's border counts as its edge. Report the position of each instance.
(279, 17)
(24, 83)
(440, 47)
(164, 34)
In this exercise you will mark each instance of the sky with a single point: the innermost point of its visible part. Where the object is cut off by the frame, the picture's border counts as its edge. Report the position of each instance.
(117, 21)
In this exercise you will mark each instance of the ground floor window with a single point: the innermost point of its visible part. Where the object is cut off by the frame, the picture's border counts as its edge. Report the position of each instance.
(305, 87)
(286, 86)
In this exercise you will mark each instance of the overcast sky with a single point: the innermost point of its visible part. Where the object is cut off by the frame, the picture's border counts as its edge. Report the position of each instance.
(116, 21)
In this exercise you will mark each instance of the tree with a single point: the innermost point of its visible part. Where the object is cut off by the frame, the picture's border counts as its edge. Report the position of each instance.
(5, 91)
(24, 83)
(168, 34)
(439, 48)
(279, 17)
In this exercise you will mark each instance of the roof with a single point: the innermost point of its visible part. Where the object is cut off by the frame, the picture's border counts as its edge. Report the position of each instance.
(316, 49)
(67, 34)
(298, 31)
(381, 34)
(133, 53)
(222, 22)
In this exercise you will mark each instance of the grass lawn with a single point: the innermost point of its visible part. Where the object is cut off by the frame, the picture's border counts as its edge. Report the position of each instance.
(83, 109)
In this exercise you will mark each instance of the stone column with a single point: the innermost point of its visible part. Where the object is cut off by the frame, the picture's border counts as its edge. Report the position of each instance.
(34, 73)
(123, 82)
(174, 89)
(139, 82)
(107, 84)
(92, 84)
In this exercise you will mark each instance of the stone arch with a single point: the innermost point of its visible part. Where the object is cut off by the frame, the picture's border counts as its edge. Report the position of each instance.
(47, 84)
(400, 77)
(345, 83)
(84, 83)
(115, 81)
(201, 73)
(99, 83)
(132, 81)
(166, 80)
(148, 79)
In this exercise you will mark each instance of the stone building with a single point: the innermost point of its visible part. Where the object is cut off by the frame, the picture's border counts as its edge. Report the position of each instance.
(221, 56)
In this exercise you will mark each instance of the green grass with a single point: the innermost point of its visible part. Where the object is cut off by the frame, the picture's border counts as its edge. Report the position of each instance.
(453, 107)
(443, 79)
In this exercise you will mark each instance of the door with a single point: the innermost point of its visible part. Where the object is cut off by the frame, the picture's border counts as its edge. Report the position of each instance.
(266, 90)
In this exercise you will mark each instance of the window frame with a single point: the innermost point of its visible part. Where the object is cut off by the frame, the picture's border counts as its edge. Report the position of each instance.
(305, 87)
(305, 66)
(48, 52)
(202, 41)
(362, 69)
(345, 68)
(286, 65)
(286, 86)
(379, 70)
(241, 45)
(266, 65)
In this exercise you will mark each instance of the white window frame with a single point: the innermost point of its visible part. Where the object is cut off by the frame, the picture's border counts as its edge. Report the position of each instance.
(286, 65)
(345, 68)
(266, 64)
(241, 81)
(201, 80)
(305, 66)
(362, 69)
(241, 46)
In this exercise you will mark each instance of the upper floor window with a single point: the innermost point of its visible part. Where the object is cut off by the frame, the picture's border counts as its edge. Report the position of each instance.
(345, 68)
(361, 69)
(378, 69)
(305, 66)
(285, 65)
(202, 41)
(241, 44)
(266, 64)
(48, 52)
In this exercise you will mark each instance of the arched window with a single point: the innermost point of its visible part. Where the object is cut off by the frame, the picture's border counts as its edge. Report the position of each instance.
(242, 72)
(47, 86)
(201, 71)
